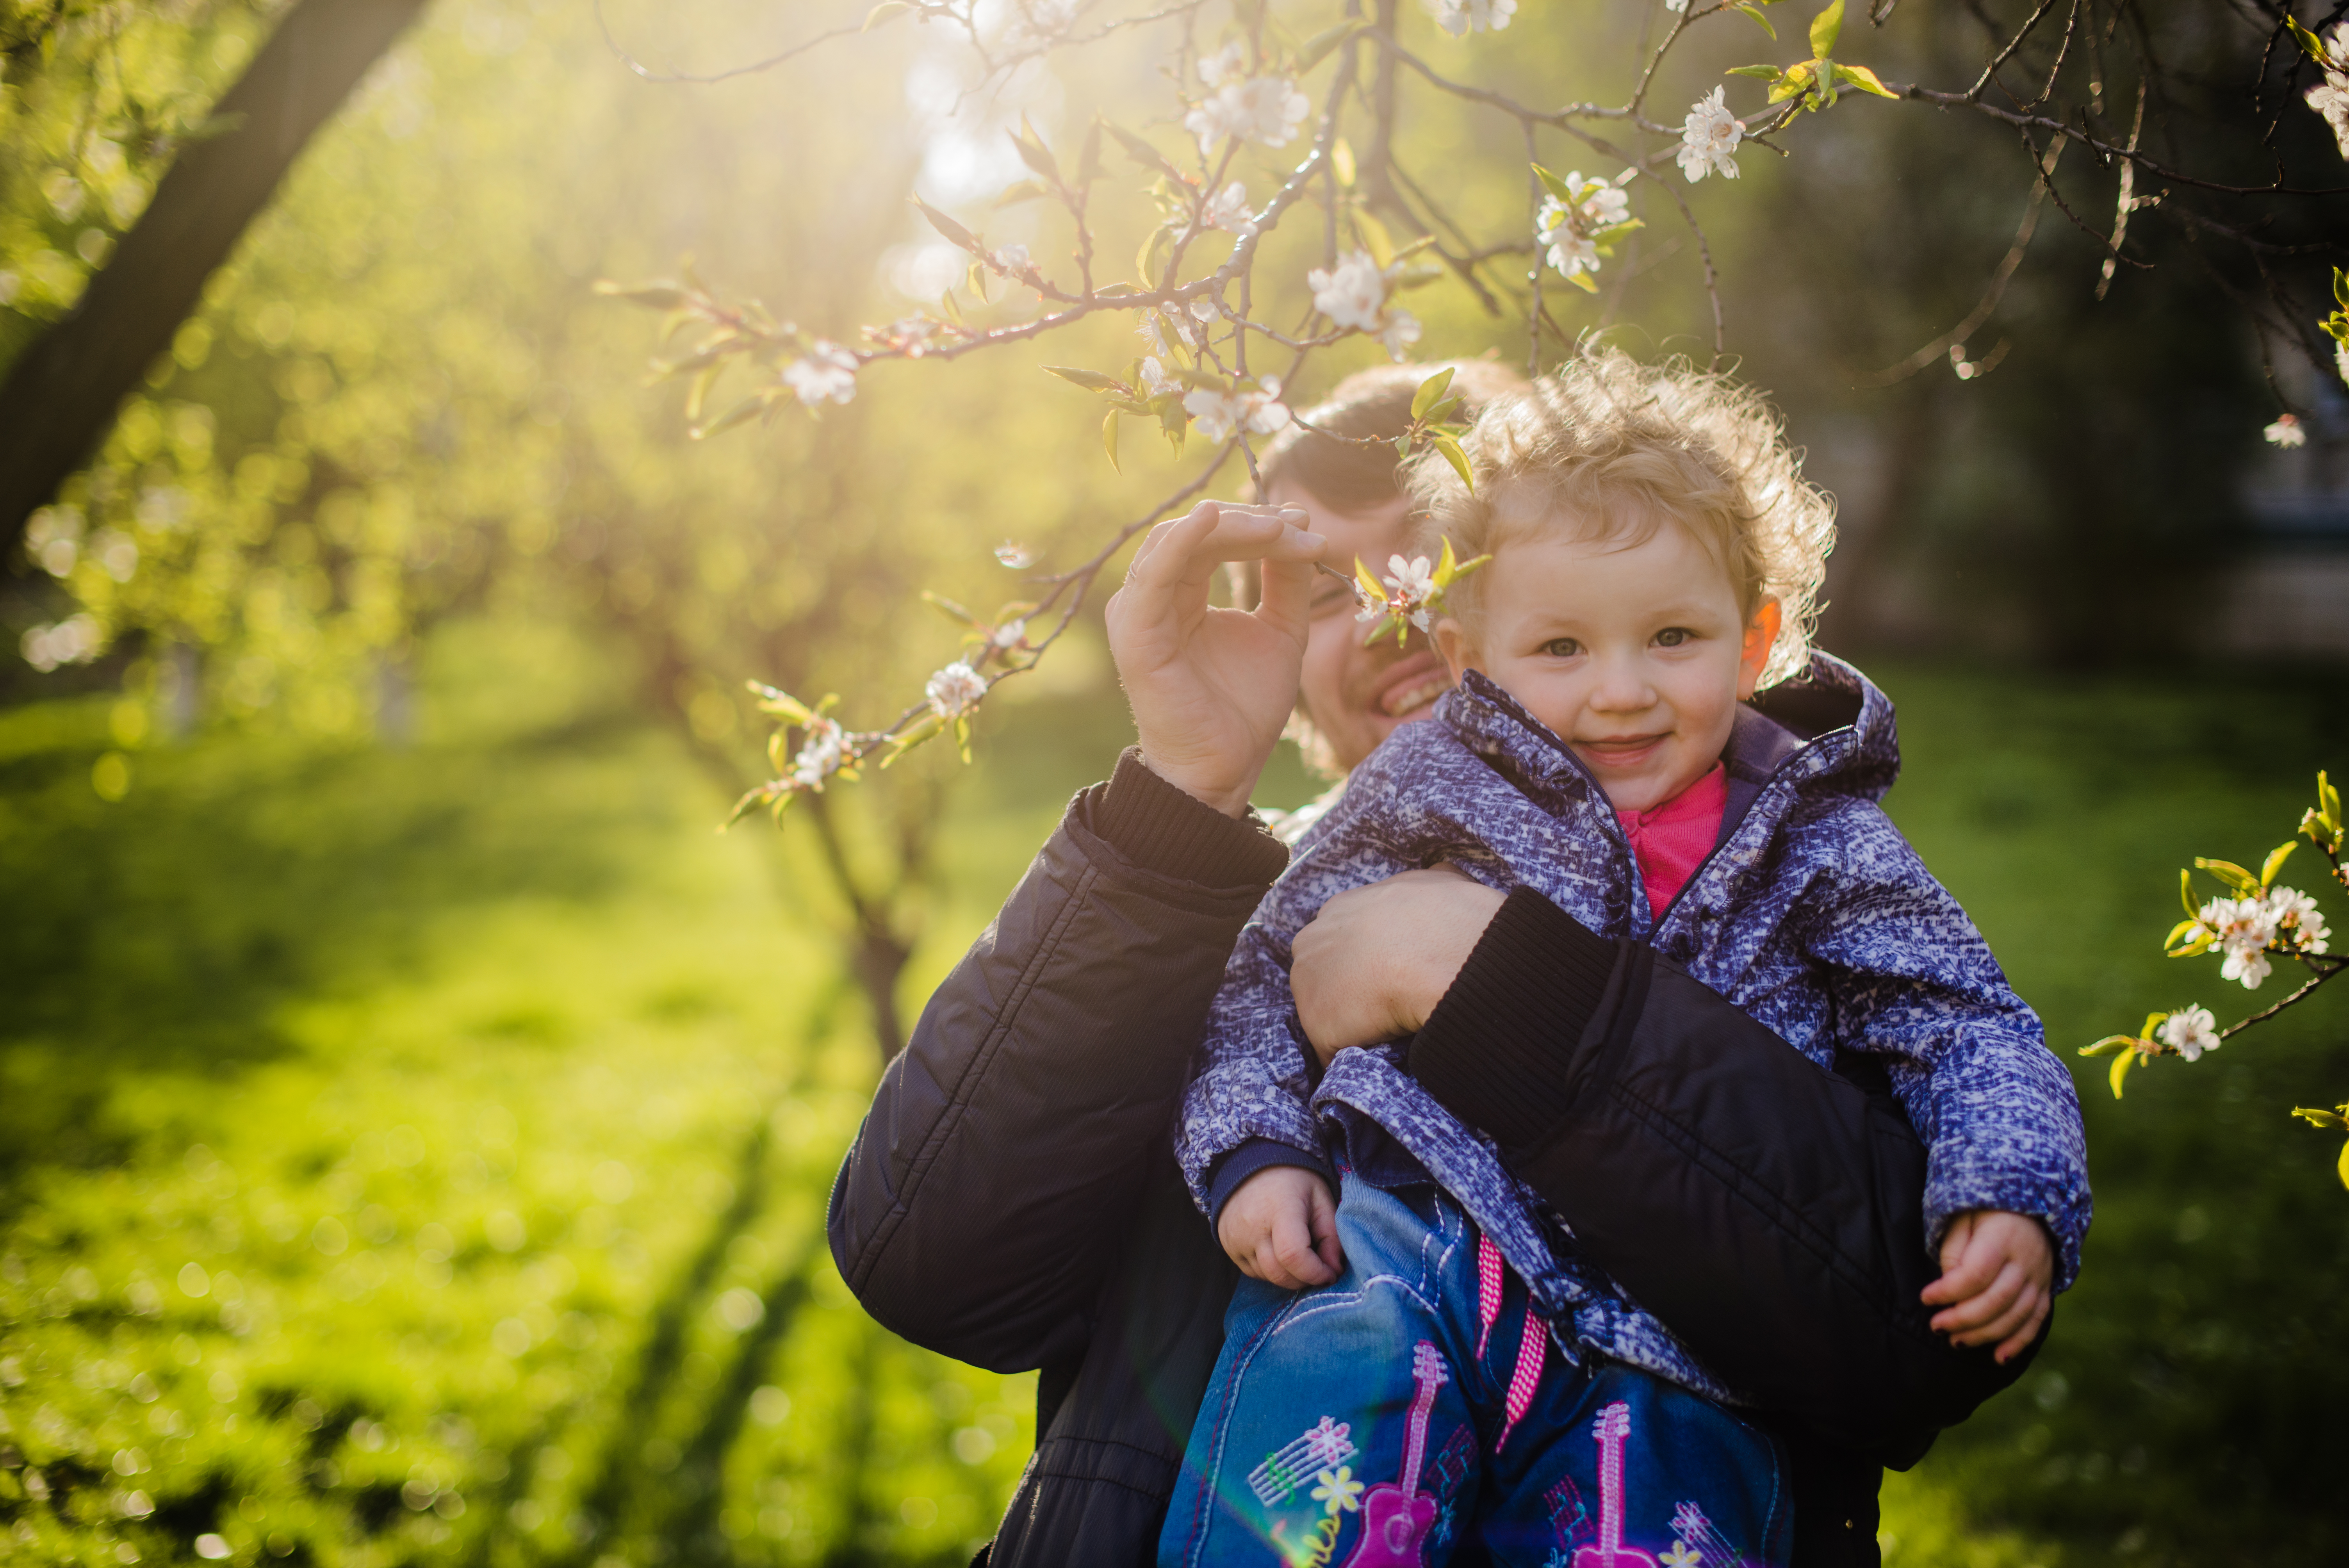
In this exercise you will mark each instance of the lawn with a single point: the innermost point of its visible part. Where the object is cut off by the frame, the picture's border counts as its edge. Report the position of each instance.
(418, 1152)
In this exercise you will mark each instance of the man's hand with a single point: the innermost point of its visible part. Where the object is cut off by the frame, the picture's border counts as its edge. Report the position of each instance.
(1373, 964)
(1211, 688)
(1997, 1273)
(1282, 1227)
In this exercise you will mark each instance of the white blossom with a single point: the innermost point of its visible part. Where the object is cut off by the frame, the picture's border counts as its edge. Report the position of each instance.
(1012, 258)
(2243, 928)
(1225, 65)
(2286, 432)
(1401, 331)
(2190, 1031)
(1461, 17)
(1015, 555)
(1158, 332)
(1676, 7)
(1267, 109)
(1353, 293)
(1156, 382)
(1228, 209)
(1709, 138)
(1008, 635)
(821, 755)
(1411, 586)
(1040, 23)
(2295, 913)
(956, 689)
(2330, 98)
(1571, 249)
(1256, 409)
(2340, 359)
(826, 371)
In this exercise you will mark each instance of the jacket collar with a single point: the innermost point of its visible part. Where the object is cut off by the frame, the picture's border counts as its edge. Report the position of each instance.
(1830, 723)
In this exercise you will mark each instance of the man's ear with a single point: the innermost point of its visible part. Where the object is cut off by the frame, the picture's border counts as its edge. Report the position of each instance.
(1455, 648)
(1760, 636)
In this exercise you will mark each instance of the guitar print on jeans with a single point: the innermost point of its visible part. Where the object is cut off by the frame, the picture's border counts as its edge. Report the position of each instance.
(1397, 1515)
(1613, 1425)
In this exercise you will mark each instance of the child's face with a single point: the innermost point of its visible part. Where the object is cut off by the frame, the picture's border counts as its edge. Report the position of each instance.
(1637, 656)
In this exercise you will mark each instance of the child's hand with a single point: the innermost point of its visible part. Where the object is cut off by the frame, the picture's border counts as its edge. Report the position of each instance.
(1997, 1269)
(1282, 1227)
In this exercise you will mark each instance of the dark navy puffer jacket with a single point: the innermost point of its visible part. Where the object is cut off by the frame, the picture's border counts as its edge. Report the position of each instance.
(1813, 915)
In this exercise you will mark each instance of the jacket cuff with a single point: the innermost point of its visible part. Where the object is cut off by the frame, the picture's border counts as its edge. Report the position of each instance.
(1498, 1052)
(1224, 1178)
(1163, 827)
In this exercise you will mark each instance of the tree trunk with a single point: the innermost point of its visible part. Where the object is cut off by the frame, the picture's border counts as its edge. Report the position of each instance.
(61, 394)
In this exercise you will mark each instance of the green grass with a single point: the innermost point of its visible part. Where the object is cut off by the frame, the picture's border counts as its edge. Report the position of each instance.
(420, 1153)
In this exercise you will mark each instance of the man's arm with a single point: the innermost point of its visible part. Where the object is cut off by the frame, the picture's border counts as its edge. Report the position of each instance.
(985, 1198)
(1769, 1211)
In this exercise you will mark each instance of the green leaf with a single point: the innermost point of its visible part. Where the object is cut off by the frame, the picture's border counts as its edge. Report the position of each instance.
(2126, 1059)
(1090, 380)
(1584, 282)
(887, 11)
(2274, 862)
(1759, 20)
(1450, 448)
(2108, 1045)
(2309, 44)
(1342, 162)
(1558, 187)
(1767, 73)
(2341, 1167)
(747, 408)
(2316, 1116)
(1088, 155)
(1141, 151)
(945, 226)
(1034, 153)
(1317, 48)
(1431, 391)
(975, 280)
(1019, 192)
(699, 393)
(1156, 250)
(1109, 439)
(1374, 238)
(653, 296)
(2228, 871)
(1825, 27)
(1863, 79)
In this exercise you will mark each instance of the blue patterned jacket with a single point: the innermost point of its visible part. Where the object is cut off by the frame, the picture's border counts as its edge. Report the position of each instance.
(1813, 915)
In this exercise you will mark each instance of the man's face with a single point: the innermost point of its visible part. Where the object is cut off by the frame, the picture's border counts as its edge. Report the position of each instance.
(1356, 695)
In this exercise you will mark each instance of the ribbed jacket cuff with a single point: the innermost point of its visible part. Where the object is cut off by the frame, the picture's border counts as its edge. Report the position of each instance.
(1161, 827)
(1498, 1051)
(1257, 1154)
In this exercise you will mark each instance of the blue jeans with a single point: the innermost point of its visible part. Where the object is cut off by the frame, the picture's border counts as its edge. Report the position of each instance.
(1355, 1425)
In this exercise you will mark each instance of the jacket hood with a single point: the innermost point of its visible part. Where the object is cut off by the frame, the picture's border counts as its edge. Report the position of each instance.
(1831, 724)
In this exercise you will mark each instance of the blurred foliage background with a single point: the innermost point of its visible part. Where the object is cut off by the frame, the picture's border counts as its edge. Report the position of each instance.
(415, 1125)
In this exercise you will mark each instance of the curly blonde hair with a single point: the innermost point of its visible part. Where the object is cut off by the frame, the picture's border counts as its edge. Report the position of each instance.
(1612, 447)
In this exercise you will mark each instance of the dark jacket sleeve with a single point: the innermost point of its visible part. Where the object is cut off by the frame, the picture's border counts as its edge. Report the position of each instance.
(1766, 1209)
(985, 1198)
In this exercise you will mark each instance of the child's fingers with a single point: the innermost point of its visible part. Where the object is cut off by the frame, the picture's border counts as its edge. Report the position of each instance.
(1967, 1270)
(2020, 1340)
(1292, 1246)
(1984, 1307)
(1324, 1220)
(2002, 1327)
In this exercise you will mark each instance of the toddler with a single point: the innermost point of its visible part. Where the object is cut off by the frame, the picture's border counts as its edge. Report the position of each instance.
(1467, 1374)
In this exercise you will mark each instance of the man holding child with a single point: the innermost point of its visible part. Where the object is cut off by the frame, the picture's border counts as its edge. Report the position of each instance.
(1573, 1243)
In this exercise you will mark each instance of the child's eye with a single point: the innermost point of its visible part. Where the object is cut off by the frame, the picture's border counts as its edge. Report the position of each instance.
(1561, 647)
(1675, 637)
